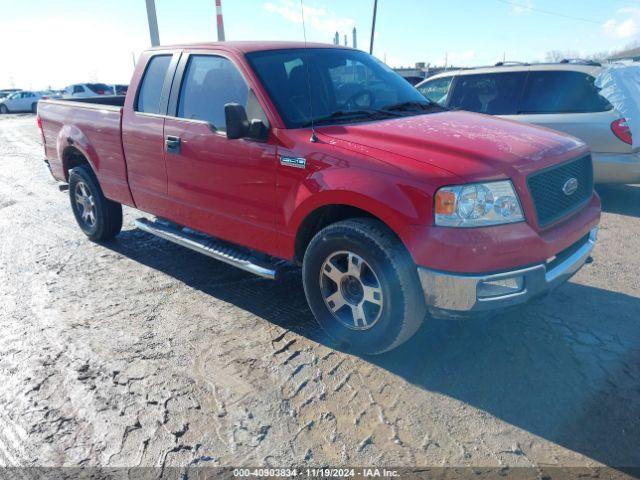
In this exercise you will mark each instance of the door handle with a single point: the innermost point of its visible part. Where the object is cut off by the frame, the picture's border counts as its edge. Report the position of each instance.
(172, 144)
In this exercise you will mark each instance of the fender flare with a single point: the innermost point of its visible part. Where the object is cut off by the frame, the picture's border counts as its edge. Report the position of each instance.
(71, 136)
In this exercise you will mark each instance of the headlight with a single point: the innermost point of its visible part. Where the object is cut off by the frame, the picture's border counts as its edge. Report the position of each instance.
(477, 205)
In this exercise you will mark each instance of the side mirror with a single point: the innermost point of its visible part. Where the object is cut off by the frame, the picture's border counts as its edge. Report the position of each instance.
(238, 126)
(236, 119)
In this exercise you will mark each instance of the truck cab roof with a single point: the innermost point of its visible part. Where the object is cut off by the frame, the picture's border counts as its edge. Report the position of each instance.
(248, 46)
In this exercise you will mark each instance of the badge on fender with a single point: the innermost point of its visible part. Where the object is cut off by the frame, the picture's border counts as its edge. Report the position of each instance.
(296, 162)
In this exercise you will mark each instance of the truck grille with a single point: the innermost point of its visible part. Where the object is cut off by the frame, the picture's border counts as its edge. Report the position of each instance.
(547, 189)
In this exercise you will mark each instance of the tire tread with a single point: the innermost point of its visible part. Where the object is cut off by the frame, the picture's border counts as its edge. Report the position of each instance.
(400, 261)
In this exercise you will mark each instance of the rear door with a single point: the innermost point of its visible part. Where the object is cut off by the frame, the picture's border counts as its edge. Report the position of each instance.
(223, 187)
(143, 132)
(569, 101)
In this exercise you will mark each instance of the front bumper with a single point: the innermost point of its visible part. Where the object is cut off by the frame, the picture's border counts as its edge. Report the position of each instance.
(449, 294)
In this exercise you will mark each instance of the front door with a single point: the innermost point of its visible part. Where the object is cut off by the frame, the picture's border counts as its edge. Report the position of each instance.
(219, 186)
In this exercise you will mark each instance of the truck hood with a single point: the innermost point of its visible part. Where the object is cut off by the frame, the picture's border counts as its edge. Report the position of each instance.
(462, 143)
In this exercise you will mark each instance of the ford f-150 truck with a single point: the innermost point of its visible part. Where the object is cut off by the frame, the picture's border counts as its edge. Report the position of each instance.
(264, 155)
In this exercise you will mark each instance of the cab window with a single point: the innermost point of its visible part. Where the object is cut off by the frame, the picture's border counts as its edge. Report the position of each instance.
(209, 83)
(152, 83)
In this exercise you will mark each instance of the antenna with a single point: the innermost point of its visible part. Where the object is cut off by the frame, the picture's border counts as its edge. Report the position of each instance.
(313, 138)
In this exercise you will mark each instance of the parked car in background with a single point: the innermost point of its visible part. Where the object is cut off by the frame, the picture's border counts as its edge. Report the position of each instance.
(22, 101)
(263, 153)
(87, 90)
(561, 96)
(51, 94)
(120, 89)
(414, 80)
(8, 91)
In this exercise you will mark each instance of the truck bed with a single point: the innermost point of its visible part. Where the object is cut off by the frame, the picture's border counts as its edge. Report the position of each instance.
(91, 126)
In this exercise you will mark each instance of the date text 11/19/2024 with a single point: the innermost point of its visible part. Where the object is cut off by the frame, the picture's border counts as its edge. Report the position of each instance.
(315, 473)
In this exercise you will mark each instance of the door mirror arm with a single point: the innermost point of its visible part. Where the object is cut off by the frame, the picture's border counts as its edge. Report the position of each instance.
(258, 130)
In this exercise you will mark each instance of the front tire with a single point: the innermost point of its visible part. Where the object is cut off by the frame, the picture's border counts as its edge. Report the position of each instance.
(98, 217)
(34, 107)
(3, 109)
(362, 286)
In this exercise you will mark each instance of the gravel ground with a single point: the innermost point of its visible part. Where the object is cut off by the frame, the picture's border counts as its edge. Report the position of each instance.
(142, 353)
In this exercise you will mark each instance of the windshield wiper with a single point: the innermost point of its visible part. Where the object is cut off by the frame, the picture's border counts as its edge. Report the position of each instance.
(352, 114)
(414, 106)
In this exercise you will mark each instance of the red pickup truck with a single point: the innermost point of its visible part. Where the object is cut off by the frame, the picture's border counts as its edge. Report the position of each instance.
(265, 154)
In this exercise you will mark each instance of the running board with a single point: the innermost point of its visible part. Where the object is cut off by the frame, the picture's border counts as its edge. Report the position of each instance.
(236, 256)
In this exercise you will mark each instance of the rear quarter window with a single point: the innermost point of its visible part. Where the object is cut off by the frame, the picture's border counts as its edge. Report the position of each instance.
(490, 93)
(562, 92)
(151, 86)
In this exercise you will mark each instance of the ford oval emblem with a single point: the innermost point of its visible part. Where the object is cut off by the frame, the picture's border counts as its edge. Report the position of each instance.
(570, 186)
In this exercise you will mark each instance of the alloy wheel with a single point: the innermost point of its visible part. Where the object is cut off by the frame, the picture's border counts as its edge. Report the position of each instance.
(86, 204)
(351, 290)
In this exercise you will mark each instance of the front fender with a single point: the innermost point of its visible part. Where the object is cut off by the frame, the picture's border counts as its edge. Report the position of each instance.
(393, 200)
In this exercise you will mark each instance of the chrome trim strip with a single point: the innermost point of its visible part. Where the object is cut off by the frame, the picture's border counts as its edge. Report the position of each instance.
(87, 105)
(176, 237)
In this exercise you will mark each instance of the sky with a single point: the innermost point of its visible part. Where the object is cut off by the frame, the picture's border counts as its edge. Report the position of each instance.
(58, 42)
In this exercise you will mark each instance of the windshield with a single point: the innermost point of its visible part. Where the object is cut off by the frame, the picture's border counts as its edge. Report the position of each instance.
(346, 86)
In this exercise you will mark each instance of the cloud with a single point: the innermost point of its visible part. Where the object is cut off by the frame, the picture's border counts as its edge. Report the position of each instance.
(522, 7)
(625, 25)
(315, 17)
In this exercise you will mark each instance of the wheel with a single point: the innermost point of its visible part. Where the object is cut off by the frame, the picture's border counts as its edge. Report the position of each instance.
(99, 218)
(4, 109)
(34, 107)
(362, 286)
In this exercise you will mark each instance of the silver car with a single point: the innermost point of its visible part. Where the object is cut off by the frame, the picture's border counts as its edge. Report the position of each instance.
(22, 101)
(561, 96)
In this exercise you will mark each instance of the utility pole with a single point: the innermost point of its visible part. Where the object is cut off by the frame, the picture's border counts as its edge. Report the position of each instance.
(220, 21)
(153, 23)
(373, 25)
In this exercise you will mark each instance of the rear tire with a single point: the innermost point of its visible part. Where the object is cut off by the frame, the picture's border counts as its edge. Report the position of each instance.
(3, 109)
(362, 286)
(34, 107)
(98, 217)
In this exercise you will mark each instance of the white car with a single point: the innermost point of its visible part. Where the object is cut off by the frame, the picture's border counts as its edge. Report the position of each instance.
(87, 90)
(22, 101)
(561, 96)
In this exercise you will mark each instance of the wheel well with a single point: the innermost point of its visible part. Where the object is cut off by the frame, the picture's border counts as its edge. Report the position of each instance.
(72, 158)
(320, 218)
